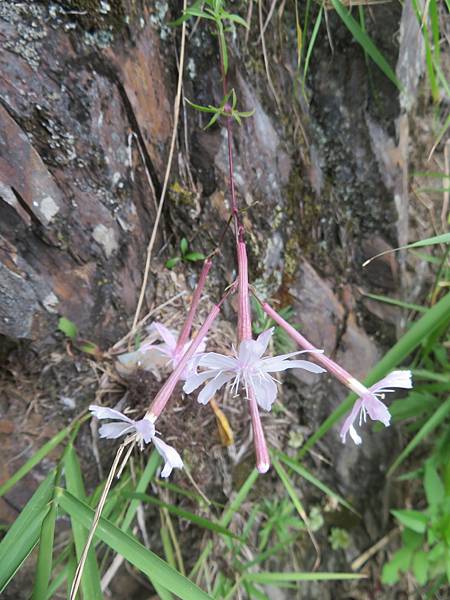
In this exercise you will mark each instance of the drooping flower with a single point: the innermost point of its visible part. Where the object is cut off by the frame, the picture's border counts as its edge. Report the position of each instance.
(369, 402)
(151, 356)
(247, 369)
(145, 432)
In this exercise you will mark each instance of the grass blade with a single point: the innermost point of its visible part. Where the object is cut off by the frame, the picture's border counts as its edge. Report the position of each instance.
(396, 302)
(146, 477)
(24, 533)
(90, 581)
(365, 41)
(434, 421)
(184, 514)
(45, 556)
(426, 325)
(286, 577)
(35, 459)
(134, 552)
(300, 470)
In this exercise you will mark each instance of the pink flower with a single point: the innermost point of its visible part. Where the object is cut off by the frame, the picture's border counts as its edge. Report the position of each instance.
(369, 403)
(246, 368)
(170, 347)
(144, 430)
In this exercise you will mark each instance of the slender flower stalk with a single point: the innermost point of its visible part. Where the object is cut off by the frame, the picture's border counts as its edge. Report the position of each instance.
(186, 331)
(368, 401)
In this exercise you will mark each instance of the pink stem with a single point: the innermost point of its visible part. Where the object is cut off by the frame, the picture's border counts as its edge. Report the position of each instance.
(186, 331)
(245, 333)
(164, 394)
(336, 370)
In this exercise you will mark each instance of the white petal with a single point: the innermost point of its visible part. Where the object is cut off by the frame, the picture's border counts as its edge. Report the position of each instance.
(355, 437)
(278, 363)
(377, 410)
(102, 412)
(265, 391)
(146, 429)
(165, 334)
(211, 388)
(172, 460)
(195, 380)
(249, 352)
(214, 360)
(115, 430)
(348, 423)
(263, 340)
(396, 379)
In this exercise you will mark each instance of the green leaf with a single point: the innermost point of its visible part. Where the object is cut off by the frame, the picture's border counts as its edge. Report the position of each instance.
(365, 41)
(184, 245)
(432, 241)
(127, 546)
(68, 328)
(420, 567)
(194, 256)
(396, 302)
(400, 561)
(434, 488)
(199, 107)
(172, 262)
(24, 533)
(235, 18)
(413, 519)
(144, 480)
(90, 581)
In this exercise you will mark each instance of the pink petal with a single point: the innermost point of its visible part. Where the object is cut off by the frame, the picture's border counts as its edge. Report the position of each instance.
(376, 410)
(262, 341)
(214, 360)
(348, 423)
(146, 429)
(195, 380)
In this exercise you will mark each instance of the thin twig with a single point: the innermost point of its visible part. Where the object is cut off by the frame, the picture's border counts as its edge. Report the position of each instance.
(266, 60)
(176, 114)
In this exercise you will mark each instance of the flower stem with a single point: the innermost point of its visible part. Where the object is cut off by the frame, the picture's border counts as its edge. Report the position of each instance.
(186, 331)
(341, 374)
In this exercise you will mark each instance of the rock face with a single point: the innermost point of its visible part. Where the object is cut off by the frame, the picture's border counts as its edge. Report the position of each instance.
(76, 208)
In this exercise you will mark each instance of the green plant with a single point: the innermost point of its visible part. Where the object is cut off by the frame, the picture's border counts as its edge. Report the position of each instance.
(425, 550)
(70, 330)
(282, 342)
(186, 255)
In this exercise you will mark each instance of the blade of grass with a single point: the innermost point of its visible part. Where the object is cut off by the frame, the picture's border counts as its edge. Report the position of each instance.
(434, 421)
(444, 238)
(365, 41)
(24, 533)
(300, 470)
(143, 559)
(226, 517)
(146, 477)
(35, 459)
(184, 514)
(90, 581)
(282, 577)
(396, 302)
(45, 556)
(312, 41)
(426, 325)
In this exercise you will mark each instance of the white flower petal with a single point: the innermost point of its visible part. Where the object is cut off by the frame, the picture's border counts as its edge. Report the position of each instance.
(278, 363)
(146, 429)
(115, 430)
(172, 460)
(355, 437)
(165, 334)
(377, 410)
(348, 423)
(102, 412)
(262, 341)
(195, 380)
(214, 360)
(211, 388)
(396, 379)
(265, 391)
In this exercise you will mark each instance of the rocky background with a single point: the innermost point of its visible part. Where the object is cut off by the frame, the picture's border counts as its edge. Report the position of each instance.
(322, 170)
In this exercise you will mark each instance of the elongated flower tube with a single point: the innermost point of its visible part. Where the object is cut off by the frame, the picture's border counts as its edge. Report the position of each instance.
(143, 429)
(368, 402)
